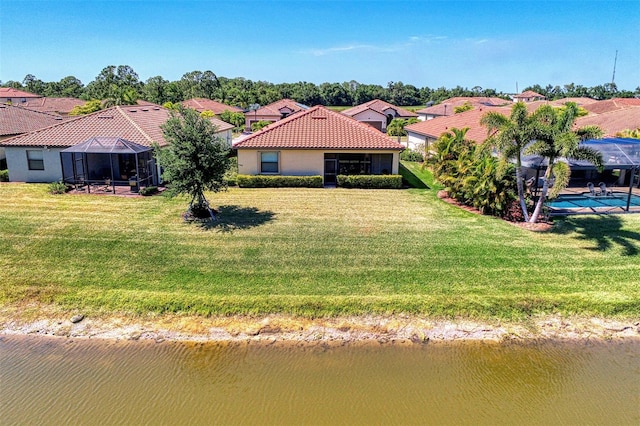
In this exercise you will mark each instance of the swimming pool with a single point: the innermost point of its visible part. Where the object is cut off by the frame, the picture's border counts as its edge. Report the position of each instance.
(578, 202)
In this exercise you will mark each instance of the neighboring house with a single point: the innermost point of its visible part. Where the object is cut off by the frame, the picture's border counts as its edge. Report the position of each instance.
(447, 107)
(35, 156)
(273, 112)
(377, 114)
(422, 135)
(15, 96)
(528, 96)
(202, 104)
(318, 141)
(612, 122)
(600, 107)
(16, 121)
(61, 106)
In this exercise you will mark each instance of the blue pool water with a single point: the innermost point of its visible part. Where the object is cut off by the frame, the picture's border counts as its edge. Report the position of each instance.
(576, 201)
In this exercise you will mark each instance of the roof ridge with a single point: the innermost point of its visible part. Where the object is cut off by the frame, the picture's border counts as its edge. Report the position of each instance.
(130, 120)
(61, 123)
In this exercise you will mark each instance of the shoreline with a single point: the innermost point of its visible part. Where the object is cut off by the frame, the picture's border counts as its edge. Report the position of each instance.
(388, 329)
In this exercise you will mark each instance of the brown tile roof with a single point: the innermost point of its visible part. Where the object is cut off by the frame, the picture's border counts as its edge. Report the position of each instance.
(319, 128)
(600, 107)
(16, 120)
(528, 94)
(10, 92)
(52, 105)
(202, 104)
(378, 106)
(273, 109)
(471, 119)
(447, 106)
(139, 124)
(612, 122)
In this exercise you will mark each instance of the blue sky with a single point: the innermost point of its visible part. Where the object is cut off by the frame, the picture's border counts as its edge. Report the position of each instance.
(491, 44)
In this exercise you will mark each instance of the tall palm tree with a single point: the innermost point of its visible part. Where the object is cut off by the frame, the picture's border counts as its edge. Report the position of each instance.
(555, 139)
(510, 135)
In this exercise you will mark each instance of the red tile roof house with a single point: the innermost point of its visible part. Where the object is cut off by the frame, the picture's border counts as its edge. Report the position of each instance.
(16, 121)
(36, 156)
(447, 107)
(528, 96)
(202, 104)
(422, 135)
(15, 96)
(377, 113)
(273, 112)
(62, 106)
(315, 142)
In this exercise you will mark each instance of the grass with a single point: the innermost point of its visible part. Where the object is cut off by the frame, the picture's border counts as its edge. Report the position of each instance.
(311, 252)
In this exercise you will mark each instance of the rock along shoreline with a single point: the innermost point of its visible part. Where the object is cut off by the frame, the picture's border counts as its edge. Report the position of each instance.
(394, 329)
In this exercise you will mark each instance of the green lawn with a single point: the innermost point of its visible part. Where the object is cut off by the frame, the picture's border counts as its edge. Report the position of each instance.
(311, 252)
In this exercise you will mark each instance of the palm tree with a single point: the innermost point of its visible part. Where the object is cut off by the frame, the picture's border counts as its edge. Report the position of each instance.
(556, 138)
(510, 135)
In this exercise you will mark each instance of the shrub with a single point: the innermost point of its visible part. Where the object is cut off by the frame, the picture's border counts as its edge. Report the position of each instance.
(370, 181)
(58, 187)
(148, 190)
(410, 155)
(231, 175)
(271, 181)
(4, 175)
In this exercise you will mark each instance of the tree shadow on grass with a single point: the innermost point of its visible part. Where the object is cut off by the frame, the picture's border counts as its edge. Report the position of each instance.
(231, 218)
(604, 231)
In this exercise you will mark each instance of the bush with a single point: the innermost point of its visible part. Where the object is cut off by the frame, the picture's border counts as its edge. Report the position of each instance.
(410, 155)
(4, 175)
(58, 187)
(148, 190)
(271, 181)
(231, 175)
(370, 181)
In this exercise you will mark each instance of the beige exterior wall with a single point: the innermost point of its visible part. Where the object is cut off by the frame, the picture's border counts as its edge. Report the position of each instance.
(19, 167)
(298, 162)
(370, 115)
(252, 118)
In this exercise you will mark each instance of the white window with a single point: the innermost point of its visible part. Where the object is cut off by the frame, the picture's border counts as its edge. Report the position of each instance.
(269, 162)
(35, 159)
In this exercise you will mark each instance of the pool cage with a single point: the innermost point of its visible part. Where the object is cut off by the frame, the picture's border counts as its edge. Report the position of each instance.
(621, 158)
(103, 163)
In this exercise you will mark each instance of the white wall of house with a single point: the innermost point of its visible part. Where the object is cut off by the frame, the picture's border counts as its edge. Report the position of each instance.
(298, 162)
(372, 116)
(226, 136)
(414, 140)
(19, 167)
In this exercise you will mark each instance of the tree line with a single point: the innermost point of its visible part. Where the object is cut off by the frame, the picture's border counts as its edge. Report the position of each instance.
(122, 85)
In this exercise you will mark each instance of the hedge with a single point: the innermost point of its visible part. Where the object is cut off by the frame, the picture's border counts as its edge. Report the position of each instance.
(277, 181)
(4, 175)
(370, 181)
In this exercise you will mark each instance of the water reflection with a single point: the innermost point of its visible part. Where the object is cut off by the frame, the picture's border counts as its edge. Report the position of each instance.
(56, 381)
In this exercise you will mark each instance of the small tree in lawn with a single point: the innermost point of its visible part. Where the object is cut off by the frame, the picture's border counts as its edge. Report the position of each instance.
(195, 160)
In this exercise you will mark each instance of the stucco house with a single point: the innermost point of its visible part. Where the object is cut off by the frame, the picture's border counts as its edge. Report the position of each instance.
(528, 96)
(35, 156)
(61, 106)
(273, 112)
(422, 135)
(203, 104)
(15, 96)
(321, 142)
(448, 106)
(377, 113)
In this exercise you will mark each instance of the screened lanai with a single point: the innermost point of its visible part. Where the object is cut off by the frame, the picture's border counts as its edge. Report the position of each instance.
(614, 189)
(102, 163)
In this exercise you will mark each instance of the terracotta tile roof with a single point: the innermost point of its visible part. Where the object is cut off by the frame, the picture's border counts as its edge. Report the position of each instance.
(139, 124)
(52, 105)
(10, 92)
(528, 94)
(319, 128)
(614, 121)
(16, 120)
(471, 119)
(600, 107)
(378, 106)
(447, 106)
(273, 109)
(202, 104)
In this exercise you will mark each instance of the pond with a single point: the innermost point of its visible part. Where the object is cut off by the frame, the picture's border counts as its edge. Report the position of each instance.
(66, 381)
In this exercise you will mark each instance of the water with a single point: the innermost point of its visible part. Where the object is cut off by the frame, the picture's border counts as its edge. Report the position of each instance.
(64, 381)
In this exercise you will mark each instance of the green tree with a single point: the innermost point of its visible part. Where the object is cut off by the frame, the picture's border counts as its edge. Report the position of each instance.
(259, 125)
(231, 117)
(462, 108)
(195, 160)
(88, 107)
(555, 139)
(510, 135)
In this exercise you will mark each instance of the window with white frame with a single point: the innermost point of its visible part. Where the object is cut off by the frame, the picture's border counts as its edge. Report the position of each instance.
(35, 159)
(269, 162)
